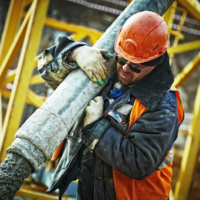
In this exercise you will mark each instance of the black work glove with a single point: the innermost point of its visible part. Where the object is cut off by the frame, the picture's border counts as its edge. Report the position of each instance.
(95, 130)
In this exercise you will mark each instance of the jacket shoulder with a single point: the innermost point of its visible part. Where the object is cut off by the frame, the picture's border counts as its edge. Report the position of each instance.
(168, 102)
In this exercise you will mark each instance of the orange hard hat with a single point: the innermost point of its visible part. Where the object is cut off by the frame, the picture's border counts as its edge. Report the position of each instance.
(143, 37)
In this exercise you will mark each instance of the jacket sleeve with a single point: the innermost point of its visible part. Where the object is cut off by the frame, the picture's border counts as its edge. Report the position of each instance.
(53, 66)
(150, 139)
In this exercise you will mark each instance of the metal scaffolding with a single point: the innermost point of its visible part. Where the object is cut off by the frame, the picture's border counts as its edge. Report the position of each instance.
(190, 155)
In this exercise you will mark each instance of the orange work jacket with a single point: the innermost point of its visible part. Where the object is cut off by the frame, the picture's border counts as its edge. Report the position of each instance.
(157, 186)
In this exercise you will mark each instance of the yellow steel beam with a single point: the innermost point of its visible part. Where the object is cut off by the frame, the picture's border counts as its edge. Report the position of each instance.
(171, 195)
(40, 188)
(176, 33)
(6, 94)
(79, 32)
(181, 132)
(190, 157)
(72, 28)
(169, 18)
(187, 71)
(93, 39)
(176, 39)
(35, 99)
(11, 25)
(32, 98)
(9, 78)
(15, 47)
(34, 188)
(36, 80)
(78, 36)
(182, 21)
(37, 195)
(192, 7)
(188, 46)
(28, 2)
(23, 76)
(1, 114)
(36, 60)
(166, 17)
(31, 181)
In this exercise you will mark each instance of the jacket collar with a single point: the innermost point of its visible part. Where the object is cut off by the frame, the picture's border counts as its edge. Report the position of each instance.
(153, 87)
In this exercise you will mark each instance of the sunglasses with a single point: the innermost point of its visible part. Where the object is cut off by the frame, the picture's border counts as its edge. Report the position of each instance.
(122, 61)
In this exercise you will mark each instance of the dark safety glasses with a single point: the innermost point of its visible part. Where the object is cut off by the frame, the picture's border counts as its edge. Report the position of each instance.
(122, 61)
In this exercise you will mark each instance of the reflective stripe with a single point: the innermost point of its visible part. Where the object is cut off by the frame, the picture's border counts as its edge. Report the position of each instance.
(137, 110)
(168, 160)
(179, 104)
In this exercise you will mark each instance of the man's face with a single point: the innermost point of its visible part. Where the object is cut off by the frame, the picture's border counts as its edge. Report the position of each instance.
(127, 77)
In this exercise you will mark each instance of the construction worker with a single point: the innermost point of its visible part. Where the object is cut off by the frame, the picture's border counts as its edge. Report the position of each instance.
(131, 126)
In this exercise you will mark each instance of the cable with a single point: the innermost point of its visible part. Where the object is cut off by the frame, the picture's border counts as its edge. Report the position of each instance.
(118, 2)
(97, 7)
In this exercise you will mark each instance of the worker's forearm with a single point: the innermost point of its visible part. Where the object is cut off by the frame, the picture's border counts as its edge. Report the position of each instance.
(13, 170)
(70, 58)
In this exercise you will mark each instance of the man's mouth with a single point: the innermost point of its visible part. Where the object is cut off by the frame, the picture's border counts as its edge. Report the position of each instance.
(123, 75)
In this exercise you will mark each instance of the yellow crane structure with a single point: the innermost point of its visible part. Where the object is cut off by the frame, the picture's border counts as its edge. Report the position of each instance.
(23, 39)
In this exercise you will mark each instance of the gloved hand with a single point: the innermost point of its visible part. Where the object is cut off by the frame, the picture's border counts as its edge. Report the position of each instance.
(53, 66)
(94, 110)
(90, 60)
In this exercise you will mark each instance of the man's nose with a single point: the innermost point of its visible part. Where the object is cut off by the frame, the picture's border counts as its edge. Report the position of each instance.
(126, 68)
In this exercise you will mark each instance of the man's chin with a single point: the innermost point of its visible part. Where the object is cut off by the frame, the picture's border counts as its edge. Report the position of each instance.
(124, 83)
